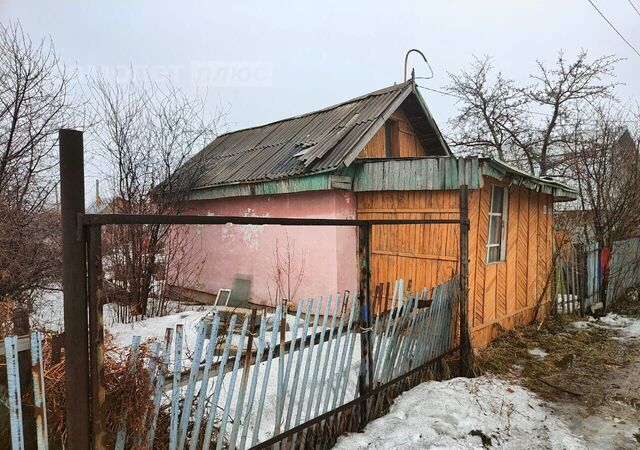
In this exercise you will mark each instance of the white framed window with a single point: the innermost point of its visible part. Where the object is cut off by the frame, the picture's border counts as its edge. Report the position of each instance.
(496, 242)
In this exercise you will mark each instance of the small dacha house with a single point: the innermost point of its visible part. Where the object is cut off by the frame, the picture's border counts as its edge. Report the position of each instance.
(380, 155)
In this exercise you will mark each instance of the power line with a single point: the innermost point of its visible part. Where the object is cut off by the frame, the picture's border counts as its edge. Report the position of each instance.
(614, 28)
(462, 98)
(440, 92)
(448, 94)
(634, 7)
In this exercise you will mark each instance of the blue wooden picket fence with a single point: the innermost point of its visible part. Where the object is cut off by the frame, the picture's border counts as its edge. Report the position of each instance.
(13, 345)
(241, 385)
(235, 395)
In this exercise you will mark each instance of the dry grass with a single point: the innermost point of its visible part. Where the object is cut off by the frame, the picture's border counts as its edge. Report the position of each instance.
(626, 305)
(577, 364)
(128, 395)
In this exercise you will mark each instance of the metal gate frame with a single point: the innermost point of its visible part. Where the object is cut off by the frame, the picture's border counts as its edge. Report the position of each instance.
(83, 277)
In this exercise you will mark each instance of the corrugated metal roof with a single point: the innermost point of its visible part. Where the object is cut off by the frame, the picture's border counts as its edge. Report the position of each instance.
(318, 141)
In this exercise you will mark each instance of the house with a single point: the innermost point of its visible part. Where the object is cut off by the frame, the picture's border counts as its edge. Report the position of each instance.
(380, 155)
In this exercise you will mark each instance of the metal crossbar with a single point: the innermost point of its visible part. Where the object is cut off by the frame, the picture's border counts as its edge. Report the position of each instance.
(163, 219)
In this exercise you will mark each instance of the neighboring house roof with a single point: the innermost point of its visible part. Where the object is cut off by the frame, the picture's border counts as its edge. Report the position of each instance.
(316, 142)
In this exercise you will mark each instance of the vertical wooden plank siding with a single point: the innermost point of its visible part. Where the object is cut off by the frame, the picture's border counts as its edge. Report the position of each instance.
(512, 251)
(532, 269)
(425, 254)
(482, 303)
(475, 313)
(523, 248)
(407, 141)
(501, 294)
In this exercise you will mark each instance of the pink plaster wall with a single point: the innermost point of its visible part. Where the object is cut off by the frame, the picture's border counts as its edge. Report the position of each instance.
(330, 264)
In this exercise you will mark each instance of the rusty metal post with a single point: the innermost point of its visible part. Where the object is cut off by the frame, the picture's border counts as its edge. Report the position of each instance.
(74, 282)
(96, 336)
(365, 378)
(465, 337)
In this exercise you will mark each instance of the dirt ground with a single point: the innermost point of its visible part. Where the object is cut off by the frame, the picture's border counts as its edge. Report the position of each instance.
(588, 373)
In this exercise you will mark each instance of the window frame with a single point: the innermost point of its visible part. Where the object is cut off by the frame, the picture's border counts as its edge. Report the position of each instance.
(503, 215)
(391, 144)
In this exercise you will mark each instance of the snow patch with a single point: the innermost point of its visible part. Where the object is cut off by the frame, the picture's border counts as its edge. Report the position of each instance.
(627, 326)
(538, 352)
(461, 413)
(580, 325)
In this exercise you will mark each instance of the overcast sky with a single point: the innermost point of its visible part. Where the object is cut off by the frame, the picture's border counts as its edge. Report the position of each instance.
(268, 60)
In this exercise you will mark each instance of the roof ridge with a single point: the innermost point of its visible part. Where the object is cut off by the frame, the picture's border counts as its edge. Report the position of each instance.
(399, 87)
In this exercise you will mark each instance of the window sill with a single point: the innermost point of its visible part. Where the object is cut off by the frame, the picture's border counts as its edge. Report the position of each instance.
(503, 261)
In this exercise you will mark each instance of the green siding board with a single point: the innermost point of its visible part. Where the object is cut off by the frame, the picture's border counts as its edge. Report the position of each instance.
(394, 175)
(318, 182)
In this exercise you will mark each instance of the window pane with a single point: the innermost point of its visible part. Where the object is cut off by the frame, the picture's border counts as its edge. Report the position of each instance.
(495, 229)
(494, 254)
(496, 200)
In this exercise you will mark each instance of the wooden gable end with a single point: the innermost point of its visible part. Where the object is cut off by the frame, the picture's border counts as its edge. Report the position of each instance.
(398, 132)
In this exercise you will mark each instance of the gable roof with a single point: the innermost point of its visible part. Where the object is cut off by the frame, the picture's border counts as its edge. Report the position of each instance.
(316, 142)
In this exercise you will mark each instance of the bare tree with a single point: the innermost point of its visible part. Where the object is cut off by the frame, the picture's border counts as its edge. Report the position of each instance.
(604, 164)
(286, 272)
(33, 101)
(529, 126)
(33, 104)
(144, 132)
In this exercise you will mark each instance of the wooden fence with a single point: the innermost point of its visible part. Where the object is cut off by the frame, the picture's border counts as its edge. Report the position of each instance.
(624, 268)
(578, 279)
(13, 346)
(245, 384)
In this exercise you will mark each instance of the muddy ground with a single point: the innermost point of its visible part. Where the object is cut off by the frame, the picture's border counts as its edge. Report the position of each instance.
(587, 370)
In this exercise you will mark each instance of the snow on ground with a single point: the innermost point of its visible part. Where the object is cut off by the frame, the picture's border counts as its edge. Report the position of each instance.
(462, 413)
(49, 314)
(538, 352)
(626, 327)
(154, 328)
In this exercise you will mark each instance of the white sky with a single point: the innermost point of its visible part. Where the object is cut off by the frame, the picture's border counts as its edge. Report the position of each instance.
(297, 56)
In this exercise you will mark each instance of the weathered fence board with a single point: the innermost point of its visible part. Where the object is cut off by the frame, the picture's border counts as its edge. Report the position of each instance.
(13, 345)
(225, 393)
(578, 279)
(246, 400)
(624, 268)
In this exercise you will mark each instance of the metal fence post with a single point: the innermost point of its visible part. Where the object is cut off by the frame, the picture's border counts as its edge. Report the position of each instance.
(96, 332)
(74, 279)
(365, 378)
(465, 337)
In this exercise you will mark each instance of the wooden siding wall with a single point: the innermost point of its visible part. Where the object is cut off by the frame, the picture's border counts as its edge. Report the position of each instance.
(425, 254)
(504, 293)
(501, 294)
(408, 143)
